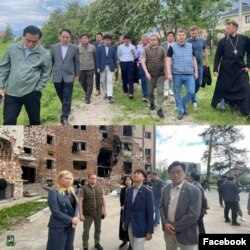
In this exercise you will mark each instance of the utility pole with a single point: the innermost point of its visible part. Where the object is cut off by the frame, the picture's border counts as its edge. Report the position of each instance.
(240, 16)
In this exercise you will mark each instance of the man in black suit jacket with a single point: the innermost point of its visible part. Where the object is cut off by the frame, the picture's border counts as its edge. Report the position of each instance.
(230, 195)
(65, 61)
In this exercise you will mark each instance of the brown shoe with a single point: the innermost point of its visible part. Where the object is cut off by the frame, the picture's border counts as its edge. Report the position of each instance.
(98, 93)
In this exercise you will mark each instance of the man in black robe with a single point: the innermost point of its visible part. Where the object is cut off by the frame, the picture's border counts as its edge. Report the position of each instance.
(233, 81)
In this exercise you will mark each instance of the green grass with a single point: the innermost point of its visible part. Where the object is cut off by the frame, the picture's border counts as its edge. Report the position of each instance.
(10, 217)
(134, 111)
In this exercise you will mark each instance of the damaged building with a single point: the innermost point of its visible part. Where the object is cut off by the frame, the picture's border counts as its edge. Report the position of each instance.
(109, 151)
(11, 144)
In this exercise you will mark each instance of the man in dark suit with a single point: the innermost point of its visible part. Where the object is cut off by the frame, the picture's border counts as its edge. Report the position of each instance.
(230, 194)
(106, 65)
(221, 181)
(138, 211)
(180, 210)
(65, 61)
(99, 42)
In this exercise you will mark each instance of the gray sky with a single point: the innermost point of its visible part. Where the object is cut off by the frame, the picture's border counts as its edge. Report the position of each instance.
(183, 143)
(21, 13)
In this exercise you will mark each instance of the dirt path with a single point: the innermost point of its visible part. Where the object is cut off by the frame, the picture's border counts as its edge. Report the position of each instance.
(98, 112)
(101, 112)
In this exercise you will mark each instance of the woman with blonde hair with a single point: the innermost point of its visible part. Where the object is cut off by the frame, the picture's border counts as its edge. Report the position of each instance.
(63, 206)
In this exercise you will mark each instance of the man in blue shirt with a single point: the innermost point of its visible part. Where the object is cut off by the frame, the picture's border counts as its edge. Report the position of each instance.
(199, 46)
(126, 56)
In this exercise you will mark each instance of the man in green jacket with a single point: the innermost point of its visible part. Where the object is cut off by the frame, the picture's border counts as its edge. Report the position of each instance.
(24, 71)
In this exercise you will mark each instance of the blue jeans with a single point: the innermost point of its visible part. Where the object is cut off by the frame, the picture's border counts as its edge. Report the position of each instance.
(188, 82)
(198, 82)
(144, 86)
(157, 201)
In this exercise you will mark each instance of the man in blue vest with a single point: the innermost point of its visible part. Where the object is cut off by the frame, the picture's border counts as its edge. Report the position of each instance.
(182, 69)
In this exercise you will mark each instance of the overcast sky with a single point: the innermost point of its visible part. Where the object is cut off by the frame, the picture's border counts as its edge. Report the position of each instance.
(21, 13)
(183, 143)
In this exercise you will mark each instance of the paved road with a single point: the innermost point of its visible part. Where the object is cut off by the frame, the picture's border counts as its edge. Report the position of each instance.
(34, 235)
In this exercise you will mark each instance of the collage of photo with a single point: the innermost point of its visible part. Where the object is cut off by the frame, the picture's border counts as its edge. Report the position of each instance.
(124, 124)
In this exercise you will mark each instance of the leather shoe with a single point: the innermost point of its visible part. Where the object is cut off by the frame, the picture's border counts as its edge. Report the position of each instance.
(235, 224)
(98, 246)
(124, 243)
(152, 106)
(160, 113)
(64, 122)
(227, 220)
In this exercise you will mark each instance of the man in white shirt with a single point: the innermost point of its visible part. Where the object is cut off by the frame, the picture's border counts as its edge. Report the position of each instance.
(180, 210)
(126, 56)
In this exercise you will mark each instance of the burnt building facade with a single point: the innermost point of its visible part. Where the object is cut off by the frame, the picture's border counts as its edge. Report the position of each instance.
(109, 151)
(11, 143)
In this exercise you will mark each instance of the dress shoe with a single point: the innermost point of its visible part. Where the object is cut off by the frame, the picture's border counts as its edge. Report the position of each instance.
(227, 220)
(180, 116)
(85, 248)
(124, 243)
(98, 246)
(64, 122)
(160, 113)
(235, 224)
(110, 99)
(88, 101)
(152, 106)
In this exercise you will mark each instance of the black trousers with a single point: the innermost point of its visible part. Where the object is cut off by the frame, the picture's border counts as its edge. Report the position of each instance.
(234, 208)
(97, 80)
(86, 80)
(220, 198)
(201, 226)
(13, 106)
(127, 69)
(64, 91)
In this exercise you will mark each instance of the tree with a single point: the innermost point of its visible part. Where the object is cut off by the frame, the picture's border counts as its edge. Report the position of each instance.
(8, 37)
(221, 152)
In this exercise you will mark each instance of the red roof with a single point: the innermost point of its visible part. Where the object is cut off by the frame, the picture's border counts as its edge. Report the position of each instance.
(2, 33)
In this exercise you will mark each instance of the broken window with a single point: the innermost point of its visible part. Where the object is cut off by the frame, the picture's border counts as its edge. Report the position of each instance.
(127, 167)
(148, 168)
(49, 163)
(29, 174)
(127, 130)
(50, 139)
(78, 146)
(27, 150)
(79, 165)
(147, 135)
(128, 147)
(105, 157)
(147, 151)
(102, 128)
(103, 172)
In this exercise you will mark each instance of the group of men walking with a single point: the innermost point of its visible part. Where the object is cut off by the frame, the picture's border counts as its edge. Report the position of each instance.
(172, 65)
